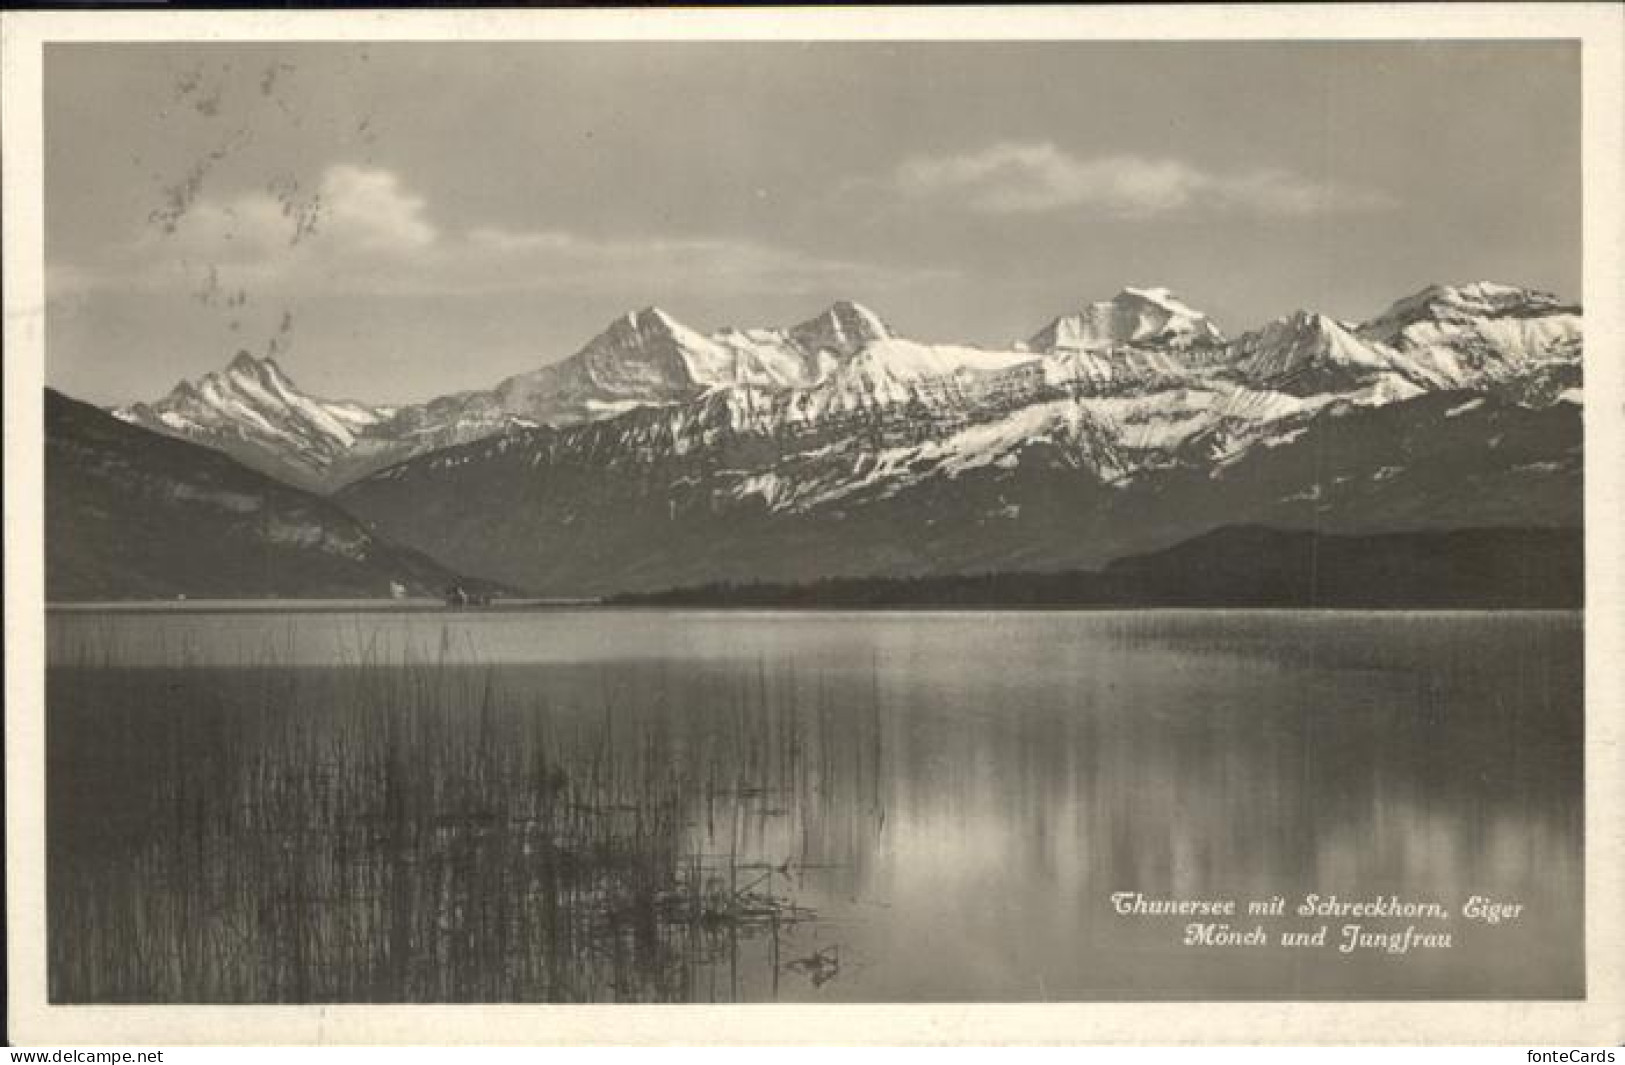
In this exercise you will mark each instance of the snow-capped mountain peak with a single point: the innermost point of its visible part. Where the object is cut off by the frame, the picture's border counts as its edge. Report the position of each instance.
(1458, 304)
(652, 321)
(1020, 458)
(1308, 352)
(1153, 317)
(1158, 369)
(843, 328)
(253, 409)
(638, 329)
(1161, 297)
(647, 349)
(1518, 340)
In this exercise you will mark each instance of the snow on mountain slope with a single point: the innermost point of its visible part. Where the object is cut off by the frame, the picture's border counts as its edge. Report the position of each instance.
(1140, 316)
(258, 392)
(891, 372)
(841, 331)
(1438, 307)
(1308, 353)
(842, 362)
(254, 411)
(650, 353)
(767, 358)
(660, 455)
(847, 441)
(1156, 375)
(1481, 334)
(666, 496)
(1112, 436)
(1521, 344)
(826, 476)
(650, 359)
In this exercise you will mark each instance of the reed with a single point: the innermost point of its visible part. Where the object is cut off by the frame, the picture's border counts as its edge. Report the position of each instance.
(402, 829)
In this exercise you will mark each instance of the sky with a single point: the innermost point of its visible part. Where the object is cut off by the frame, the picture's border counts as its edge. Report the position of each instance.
(397, 221)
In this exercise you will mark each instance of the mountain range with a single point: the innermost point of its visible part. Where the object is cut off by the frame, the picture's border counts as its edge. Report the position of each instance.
(253, 411)
(658, 455)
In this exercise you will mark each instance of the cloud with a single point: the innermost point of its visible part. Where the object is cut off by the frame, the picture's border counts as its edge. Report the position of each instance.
(362, 231)
(1010, 178)
(367, 209)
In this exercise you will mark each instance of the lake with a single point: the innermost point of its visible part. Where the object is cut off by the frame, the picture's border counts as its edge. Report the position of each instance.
(604, 805)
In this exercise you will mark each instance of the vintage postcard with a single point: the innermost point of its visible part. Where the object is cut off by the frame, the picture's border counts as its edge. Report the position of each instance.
(870, 525)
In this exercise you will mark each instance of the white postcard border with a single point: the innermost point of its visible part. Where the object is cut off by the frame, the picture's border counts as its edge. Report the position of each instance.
(1598, 1020)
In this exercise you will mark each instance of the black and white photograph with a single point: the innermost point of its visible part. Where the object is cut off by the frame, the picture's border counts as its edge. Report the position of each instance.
(646, 519)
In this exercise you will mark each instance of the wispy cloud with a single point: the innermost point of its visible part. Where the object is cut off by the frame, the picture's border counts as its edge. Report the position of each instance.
(363, 231)
(1013, 177)
(368, 209)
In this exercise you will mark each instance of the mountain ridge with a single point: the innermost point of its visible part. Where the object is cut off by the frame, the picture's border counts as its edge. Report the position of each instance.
(254, 412)
(647, 501)
(681, 458)
(846, 358)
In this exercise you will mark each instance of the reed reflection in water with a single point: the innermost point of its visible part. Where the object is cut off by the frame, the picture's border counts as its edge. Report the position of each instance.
(683, 806)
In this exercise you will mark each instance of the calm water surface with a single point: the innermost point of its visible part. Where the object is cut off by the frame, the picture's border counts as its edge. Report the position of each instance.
(919, 806)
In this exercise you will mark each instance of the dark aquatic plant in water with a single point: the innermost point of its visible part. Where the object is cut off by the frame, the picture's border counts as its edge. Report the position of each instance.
(402, 830)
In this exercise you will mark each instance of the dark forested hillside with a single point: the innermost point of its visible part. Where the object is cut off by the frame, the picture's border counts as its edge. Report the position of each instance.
(1238, 566)
(130, 514)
